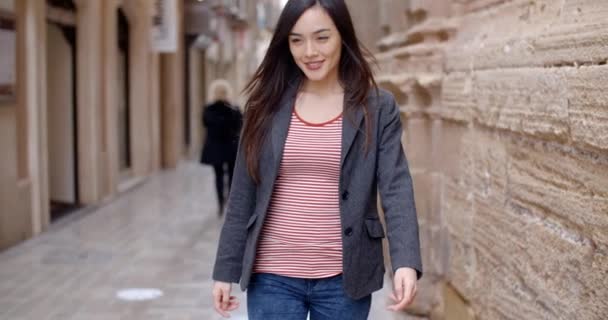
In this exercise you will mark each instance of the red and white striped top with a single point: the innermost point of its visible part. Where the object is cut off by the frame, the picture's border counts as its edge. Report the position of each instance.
(301, 236)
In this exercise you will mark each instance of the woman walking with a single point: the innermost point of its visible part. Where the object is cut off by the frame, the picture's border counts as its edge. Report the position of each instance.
(302, 232)
(223, 123)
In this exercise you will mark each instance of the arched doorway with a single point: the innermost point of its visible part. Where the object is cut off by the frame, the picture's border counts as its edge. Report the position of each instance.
(62, 112)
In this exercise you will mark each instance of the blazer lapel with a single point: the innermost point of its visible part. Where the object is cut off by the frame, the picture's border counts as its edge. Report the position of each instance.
(281, 122)
(351, 124)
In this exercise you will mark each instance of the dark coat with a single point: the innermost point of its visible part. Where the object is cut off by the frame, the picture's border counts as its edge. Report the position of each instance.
(223, 125)
(383, 168)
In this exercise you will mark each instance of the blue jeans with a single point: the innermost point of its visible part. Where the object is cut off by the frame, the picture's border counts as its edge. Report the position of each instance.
(274, 297)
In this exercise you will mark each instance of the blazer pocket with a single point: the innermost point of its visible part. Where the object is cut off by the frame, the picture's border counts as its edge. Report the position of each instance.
(374, 228)
(251, 221)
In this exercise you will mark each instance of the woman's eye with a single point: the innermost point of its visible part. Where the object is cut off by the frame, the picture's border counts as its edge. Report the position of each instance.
(295, 40)
(323, 38)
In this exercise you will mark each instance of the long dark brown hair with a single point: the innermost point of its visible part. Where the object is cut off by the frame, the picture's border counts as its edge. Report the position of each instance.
(278, 70)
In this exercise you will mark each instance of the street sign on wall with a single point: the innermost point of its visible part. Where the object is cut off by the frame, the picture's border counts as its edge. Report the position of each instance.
(164, 26)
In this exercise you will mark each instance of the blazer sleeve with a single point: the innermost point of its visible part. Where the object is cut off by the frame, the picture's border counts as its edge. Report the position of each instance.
(233, 237)
(396, 191)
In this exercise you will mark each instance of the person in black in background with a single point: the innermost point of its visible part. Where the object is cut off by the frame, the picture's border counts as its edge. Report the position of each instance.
(223, 123)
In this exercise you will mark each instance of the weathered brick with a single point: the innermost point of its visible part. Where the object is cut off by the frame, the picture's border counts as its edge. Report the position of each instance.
(457, 98)
(487, 175)
(461, 271)
(446, 147)
(496, 233)
(526, 33)
(429, 222)
(571, 185)
(531, 246)
(565, 104)
(588, 105)
(417, 141)
(519, 141)
(533, 101)
(420, 58)
(457, 209)
(503, 294)
(505, 242)
(422, 195)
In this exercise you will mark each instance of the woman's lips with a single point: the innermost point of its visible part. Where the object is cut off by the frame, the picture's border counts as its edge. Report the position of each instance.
(316, 65)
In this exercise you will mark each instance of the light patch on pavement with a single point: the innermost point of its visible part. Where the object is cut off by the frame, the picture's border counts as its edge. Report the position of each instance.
(139, 294)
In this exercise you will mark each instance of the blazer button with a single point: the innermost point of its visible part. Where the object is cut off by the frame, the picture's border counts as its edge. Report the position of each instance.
(348, 232)
(345, 195)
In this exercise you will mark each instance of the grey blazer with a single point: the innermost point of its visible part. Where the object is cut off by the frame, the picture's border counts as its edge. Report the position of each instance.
(383, 168)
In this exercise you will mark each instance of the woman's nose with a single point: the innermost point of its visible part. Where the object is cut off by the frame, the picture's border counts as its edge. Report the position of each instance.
(311, 49)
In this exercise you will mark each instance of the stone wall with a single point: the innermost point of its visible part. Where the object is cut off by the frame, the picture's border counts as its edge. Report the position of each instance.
(505, 110)
(15, 207)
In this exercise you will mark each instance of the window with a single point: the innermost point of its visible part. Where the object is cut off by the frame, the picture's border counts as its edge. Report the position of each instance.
(7, 54)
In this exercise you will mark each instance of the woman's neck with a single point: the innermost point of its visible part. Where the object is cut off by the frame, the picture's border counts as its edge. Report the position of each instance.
(325, 87)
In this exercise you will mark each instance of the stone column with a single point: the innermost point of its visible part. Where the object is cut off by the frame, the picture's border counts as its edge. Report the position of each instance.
(139, 16)
(172, 101)
(89, 44)
(31, 109)
(109, 98)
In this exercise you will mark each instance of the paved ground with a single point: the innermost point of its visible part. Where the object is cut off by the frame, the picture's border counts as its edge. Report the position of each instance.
(160, 235)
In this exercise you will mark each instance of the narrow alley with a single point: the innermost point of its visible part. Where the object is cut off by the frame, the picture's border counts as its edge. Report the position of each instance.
(106, 212)
(161, 235)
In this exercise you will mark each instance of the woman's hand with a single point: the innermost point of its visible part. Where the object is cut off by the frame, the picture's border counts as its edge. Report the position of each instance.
(222, 300)
(404, 288)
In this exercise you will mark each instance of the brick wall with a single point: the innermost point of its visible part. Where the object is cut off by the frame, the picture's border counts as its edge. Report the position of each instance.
(505, 110)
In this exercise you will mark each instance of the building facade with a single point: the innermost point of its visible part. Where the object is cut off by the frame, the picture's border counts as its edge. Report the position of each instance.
(96, 96)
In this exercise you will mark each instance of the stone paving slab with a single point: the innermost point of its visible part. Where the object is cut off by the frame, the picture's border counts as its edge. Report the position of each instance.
(161, 235)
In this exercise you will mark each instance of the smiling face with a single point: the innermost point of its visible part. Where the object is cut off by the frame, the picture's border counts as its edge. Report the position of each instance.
(316, 45)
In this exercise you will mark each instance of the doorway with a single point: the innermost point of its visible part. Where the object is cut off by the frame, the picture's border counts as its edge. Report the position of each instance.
(124, 107)
(62, 114)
